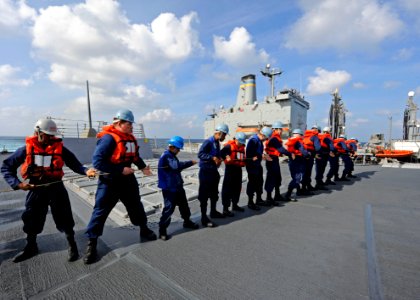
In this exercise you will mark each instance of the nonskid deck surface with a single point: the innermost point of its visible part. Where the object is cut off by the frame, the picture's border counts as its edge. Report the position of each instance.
(359, 240)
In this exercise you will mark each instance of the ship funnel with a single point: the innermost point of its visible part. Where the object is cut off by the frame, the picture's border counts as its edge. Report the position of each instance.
(247, 93)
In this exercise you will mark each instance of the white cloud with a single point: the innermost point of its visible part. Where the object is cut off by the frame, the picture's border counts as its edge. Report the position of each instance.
(326, 81)
(239, 51)
(357, 25)
(391, 84)
(14, 14)
(404, 54)
(20, 119)
(359, 85)
(95, 41)
(8, 77)
(157, 115)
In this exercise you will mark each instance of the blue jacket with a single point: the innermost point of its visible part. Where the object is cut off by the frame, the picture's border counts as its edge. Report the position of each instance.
(12, 163)
(275, 143)
(169, 172)
(209, 149)
(102, 158)
(254, 148)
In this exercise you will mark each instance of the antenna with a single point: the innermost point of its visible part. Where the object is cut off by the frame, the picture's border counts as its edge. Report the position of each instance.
(88, 100)
(271, 73)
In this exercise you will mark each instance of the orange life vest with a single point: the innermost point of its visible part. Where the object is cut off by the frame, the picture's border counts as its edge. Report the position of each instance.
(291, 142)
(337, 145)
(348, 142)
(127, 148)
(271, 150)
(307, 142)
(322, 137)
(237, 154)
(43, 162)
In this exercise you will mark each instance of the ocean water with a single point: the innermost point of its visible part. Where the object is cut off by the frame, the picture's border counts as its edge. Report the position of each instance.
(11, 143)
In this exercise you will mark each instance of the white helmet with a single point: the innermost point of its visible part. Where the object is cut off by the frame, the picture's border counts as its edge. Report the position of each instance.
(46, 126)
(326, 129)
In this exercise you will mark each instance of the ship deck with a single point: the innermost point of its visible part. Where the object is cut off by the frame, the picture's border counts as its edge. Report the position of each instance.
(359, 240)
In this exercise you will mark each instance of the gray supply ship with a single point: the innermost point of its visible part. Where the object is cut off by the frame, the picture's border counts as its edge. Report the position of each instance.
(249, 115)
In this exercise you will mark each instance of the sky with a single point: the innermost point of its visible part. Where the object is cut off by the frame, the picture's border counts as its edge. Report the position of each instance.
(172, 62)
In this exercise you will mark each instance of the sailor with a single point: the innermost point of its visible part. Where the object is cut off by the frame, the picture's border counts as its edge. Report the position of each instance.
(254, 168)
(343, 152)
(296, 163)
(327, 152)
(352, 146)
(172, 185)
(209, 177)
(234, 154)
(274, 148)
(42, 161)
(333, 159)
(115, 152)
(313, 146)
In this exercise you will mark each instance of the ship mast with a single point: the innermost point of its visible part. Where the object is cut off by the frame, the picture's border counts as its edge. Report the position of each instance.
(337, 120)
(271, 73)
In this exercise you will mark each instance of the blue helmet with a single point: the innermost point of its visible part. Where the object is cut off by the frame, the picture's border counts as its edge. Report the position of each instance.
(124, 115)
(241, 137)
(343, 136)
(277, 125)
(353, 138)
(177, 142)
(298, 131)
(222, 128)
(316, 127)
(267, 131)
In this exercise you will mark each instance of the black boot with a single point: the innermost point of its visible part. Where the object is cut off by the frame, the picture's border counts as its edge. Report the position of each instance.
(321, 186)
(277, 196)
(73, 251)
(288, 195)
(329, 182)
(30, 250)
(235, 207)
(350, 175)
(251, 204)
(206, 222)
(309, 187)
(270, 201)
(213, 212)
(163, 235)
(91, 253)
(343, 177)
(146, 233)
(259, 201)
(227, 212)
(190, 224)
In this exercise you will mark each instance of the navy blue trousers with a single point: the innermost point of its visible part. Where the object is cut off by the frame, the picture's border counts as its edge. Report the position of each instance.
(273, 179)
(347, 163)
(209, 188)
(333, 171)
(172, 199)
(320, 166)
(232, 185)
(36, 209)
(297, 169)
(124, 188)
(255, 181)
(306, 179)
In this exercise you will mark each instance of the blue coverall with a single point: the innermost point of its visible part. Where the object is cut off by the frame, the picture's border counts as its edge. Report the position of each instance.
(208, 175)
(297, 167)
(172, 185)
(38, 200)
(232, 181)
(309, 162)
(113, 187)
(321, 164)
(255, 170)
(273, 179)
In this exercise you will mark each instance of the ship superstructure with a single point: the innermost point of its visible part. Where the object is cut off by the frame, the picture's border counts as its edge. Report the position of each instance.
(337, 119)
(249, 115)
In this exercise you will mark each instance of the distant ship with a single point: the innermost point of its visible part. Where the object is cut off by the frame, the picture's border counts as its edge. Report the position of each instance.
(249, 115)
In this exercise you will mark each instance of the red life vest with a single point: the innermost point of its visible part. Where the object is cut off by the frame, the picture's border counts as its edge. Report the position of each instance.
(237, 154)
(337, 145)
(271, 150)
(349, 146)
(291, 142)
(307, 142)
(322, 137)
(127, 149)
(43, 162)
